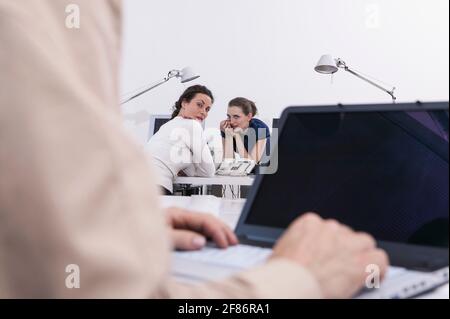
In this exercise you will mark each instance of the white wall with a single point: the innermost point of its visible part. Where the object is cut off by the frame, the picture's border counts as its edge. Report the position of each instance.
(266, 50)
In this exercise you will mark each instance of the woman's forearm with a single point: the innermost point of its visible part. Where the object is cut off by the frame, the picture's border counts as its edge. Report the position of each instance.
(228, 147)
(241, 148)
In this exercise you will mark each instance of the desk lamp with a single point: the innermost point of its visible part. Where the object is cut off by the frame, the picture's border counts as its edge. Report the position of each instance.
(185, 75)
(328, 65)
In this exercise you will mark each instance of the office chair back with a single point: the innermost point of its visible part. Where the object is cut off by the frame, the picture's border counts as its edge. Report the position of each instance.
(275, 123)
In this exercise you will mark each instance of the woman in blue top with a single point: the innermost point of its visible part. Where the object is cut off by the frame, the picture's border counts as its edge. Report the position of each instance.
(242, 133)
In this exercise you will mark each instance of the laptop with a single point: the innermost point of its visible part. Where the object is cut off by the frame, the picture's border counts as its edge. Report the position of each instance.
(379, 168)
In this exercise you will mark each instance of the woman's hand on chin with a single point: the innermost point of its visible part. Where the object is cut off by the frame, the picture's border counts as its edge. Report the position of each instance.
(238, 130)
(224, 125)
(229, 131)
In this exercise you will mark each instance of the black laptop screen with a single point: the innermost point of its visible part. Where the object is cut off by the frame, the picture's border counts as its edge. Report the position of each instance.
(385, 173)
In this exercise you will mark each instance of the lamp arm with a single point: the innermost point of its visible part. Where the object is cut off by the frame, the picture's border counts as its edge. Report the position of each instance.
(172, 74)
(341, 64)
(391, 92)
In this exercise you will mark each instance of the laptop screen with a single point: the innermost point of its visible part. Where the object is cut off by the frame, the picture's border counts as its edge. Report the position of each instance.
(385, 173)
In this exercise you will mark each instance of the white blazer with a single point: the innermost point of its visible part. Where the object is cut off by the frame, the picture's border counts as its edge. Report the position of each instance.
(180, 145)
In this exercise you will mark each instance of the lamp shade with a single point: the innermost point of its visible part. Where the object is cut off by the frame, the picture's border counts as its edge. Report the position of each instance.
(326, 65)
(187, 74)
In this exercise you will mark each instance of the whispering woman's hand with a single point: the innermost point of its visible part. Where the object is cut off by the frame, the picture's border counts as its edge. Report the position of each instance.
(224, 125)
(238, 131)
(229, 131)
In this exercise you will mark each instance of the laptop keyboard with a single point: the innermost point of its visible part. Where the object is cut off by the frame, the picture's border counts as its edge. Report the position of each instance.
(240, 256)
(395, 272)
(212, 263)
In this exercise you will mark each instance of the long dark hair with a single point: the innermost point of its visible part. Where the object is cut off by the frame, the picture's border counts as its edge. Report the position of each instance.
(245, 105)
(188, 95)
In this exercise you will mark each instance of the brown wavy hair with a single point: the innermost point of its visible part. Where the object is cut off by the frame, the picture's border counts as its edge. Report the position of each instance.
(188, 95)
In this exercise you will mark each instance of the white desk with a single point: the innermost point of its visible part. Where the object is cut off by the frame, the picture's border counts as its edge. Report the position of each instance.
(229, 211)
(216, 180)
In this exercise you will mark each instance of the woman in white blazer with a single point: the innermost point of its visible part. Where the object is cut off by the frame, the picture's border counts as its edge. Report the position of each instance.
(180, 144)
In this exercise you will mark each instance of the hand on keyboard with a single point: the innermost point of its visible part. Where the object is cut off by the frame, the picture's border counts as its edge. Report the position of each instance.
(333, 253)
(190, 230)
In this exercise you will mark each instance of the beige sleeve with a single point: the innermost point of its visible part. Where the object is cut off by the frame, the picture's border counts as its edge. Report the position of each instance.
(275, 280)
(74, 188)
